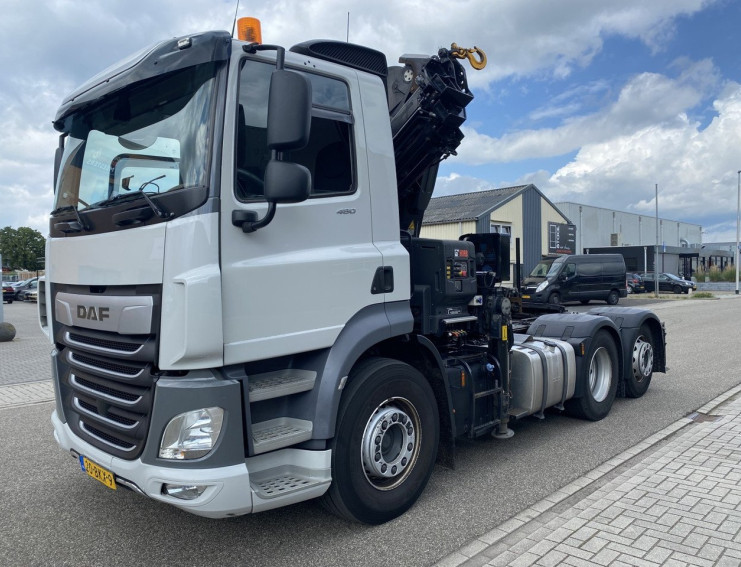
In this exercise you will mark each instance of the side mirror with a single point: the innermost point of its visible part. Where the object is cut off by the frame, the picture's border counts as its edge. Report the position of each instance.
(286, 182)
(289, 111)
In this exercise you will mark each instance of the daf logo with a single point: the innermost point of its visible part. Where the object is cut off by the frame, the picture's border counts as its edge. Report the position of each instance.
(346, 211)
(93, 313)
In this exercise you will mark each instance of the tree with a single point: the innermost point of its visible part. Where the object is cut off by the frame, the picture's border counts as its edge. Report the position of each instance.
(22, 248)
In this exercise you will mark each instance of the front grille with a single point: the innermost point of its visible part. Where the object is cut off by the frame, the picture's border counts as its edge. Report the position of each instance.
(109, 440)
(104, 344)
(106, 381)
(113, 367)
(90, 408)
(104, 390)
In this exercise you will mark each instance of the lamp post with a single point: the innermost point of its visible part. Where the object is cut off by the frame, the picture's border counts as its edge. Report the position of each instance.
(738, 222)
(656, 248)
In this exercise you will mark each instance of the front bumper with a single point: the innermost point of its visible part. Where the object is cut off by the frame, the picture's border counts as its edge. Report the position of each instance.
(227, 492)
(232, 490)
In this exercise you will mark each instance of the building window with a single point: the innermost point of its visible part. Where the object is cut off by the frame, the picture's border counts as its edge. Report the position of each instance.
(500, 228)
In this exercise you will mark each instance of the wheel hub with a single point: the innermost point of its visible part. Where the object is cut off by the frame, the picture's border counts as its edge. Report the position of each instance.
(643, 359)
(389, 444)
(600, 374)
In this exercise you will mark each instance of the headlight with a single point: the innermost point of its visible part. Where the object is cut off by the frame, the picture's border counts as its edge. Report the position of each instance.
(541, 287)
(192, 434)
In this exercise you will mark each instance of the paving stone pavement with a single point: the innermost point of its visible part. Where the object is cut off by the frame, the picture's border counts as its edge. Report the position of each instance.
(27, 357)
(673, 500)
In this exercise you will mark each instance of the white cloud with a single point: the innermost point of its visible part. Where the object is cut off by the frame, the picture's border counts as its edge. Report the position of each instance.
(695, 168)
(647, 99)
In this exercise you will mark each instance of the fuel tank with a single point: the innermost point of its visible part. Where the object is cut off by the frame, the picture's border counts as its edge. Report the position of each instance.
(543, 374)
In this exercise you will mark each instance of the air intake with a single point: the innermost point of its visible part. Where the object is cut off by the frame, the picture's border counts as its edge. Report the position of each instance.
(348, 54)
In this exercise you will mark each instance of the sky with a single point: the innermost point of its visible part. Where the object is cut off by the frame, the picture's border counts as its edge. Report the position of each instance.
(595, 102)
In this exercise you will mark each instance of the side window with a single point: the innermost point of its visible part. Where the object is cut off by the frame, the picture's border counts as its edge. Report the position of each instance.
(614, 269)
(570, 270)
(328, 156)
(590, 269)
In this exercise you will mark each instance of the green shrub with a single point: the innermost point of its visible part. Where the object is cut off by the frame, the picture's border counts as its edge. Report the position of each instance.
(714, 274)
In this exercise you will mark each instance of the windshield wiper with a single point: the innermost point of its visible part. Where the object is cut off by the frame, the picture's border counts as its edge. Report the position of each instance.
(132, 197)
(72, 226)
(157, 209)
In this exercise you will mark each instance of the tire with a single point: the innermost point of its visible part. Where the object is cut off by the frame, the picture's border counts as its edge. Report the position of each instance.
(554, 298)
(584, 301)
(385, 445)
(598, 378)
(638, 379)
(677, 289)
(631, 290)
(613, 297)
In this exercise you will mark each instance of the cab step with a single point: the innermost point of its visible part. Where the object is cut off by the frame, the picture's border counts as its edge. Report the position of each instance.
(284, 481)
(280, 383)
(280, 432)
(517, 413)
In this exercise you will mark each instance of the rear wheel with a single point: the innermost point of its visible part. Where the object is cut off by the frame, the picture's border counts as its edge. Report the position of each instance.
(642, 364)
(613, 297)
(598, 379)
(386, 442)
(677, 289)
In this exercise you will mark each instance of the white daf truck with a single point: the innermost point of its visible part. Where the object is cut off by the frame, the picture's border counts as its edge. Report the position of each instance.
(242, 311)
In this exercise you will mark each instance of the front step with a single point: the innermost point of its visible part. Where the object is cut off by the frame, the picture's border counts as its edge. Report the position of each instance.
(281, 432)
(280, 383)
(283, 481)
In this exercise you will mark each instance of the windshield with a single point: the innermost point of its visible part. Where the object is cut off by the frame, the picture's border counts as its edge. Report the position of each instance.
(547, 267)
(153, 137)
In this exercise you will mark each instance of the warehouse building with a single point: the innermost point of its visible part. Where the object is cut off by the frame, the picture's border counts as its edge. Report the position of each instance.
(522, 212)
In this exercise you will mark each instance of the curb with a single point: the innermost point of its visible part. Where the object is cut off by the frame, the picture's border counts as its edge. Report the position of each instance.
(16, 395)
(534, 514)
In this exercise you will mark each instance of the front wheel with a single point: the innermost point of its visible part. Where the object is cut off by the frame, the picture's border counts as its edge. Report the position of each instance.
(385, 445)
(677, 289)
(554, 298)
(598, 379)
(642, 364)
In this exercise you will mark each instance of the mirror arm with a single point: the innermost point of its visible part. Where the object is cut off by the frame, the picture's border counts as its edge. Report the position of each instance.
(280, 55)
(248, 221)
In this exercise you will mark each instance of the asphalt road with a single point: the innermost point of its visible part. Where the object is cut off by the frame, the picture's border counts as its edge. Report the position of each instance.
(53, 514)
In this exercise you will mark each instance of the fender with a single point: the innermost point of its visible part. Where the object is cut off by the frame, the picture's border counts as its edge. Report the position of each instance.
(368, 327)
(629, 321)
(578, 329)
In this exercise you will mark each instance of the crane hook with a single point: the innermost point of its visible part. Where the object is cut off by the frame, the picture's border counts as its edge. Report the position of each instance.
(470, 54)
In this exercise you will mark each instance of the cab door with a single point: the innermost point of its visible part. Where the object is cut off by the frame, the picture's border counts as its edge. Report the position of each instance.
(292, 285)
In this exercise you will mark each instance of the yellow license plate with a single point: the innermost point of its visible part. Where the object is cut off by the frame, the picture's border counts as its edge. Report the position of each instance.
(97, 472)
(525, 297)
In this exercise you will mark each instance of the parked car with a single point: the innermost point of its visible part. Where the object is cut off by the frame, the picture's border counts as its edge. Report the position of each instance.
(635, 283)
(8, 292)
(668, 282)
(26, 291)
(21, 287)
